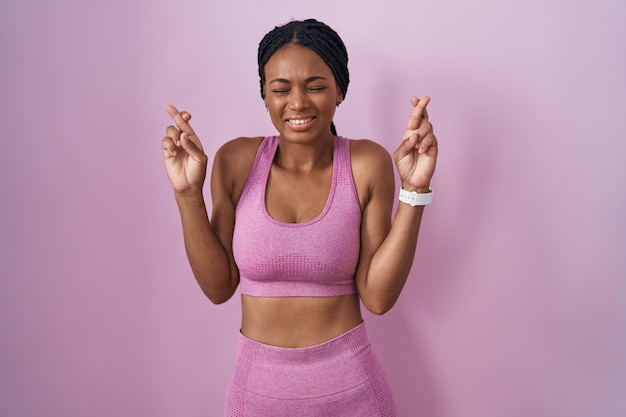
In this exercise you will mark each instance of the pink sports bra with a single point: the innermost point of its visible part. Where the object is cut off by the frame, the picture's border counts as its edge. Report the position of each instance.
(316, 258)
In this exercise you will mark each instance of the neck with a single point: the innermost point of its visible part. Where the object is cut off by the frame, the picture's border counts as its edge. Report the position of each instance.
(305, 157)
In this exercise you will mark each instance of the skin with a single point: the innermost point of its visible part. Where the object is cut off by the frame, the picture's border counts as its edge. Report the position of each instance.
(300, 86)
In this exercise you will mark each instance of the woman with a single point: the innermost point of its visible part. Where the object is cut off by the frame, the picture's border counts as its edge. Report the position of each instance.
(302, 221)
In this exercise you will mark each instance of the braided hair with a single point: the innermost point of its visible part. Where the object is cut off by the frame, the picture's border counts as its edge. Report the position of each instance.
(313, 34)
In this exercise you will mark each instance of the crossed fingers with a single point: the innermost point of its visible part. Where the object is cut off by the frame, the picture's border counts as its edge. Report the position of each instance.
(418, 128)
(183, 130)
(419, 112)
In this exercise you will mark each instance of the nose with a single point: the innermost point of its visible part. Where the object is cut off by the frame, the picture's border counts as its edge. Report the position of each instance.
(298, 99)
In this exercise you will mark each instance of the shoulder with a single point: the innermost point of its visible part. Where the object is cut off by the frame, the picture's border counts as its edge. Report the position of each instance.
(237, 155)
(372, 168)
(367, 148)
(233, 162)
(369, 157)
(239, 149)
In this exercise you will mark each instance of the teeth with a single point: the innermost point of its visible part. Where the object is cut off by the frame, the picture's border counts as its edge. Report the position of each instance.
(300, 121)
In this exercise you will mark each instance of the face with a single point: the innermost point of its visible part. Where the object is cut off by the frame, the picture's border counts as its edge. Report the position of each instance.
(301, 93)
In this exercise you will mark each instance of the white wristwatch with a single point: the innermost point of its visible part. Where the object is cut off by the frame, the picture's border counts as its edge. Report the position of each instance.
(413, 198)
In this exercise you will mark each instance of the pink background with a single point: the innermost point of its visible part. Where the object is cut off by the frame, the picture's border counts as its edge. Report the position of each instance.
(517, 301)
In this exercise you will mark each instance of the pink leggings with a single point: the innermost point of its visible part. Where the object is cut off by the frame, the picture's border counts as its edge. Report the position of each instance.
(339, 378)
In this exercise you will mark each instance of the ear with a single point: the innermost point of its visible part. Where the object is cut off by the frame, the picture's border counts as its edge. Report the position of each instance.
(339, 99)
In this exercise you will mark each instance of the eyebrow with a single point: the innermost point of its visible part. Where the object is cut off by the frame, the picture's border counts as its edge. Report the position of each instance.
(308, 80)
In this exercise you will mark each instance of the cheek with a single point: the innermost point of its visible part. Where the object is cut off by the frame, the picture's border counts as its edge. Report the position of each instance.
(275, 109)
(271, 105)
(329, 104)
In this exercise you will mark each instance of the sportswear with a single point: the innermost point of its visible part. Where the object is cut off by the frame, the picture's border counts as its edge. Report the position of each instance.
(316, 258)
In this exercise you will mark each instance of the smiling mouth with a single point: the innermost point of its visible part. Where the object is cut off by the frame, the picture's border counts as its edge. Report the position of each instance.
(300, 121)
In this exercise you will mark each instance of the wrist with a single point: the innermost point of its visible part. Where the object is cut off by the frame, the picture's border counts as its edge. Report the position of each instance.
(420, 190)
(189, 196)
(415, 198)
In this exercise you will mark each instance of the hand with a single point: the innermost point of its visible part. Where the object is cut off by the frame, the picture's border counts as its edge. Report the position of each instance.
(417, 154)
(185, 161)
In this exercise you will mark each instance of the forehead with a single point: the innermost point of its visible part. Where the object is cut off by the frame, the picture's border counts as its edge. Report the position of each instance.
(296, 61)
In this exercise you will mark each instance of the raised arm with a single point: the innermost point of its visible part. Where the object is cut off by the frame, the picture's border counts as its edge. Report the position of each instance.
(209, 249)
(388, 248)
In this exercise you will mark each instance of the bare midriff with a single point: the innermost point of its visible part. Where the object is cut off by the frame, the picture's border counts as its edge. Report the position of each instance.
(297, 322)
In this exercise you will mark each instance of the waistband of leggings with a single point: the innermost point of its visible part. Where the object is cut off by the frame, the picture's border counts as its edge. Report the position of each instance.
(354, 339)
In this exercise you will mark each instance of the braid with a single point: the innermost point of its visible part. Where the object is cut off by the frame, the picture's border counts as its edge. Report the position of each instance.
(319, 37)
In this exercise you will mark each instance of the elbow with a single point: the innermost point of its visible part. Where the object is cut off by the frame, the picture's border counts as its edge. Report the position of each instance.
(218, 297)
(377, 300)
(216, 288)
(378, 307)
(379, 290)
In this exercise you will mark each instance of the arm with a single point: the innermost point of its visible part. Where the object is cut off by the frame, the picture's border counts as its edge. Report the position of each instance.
(388, 248)
(209, 249)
